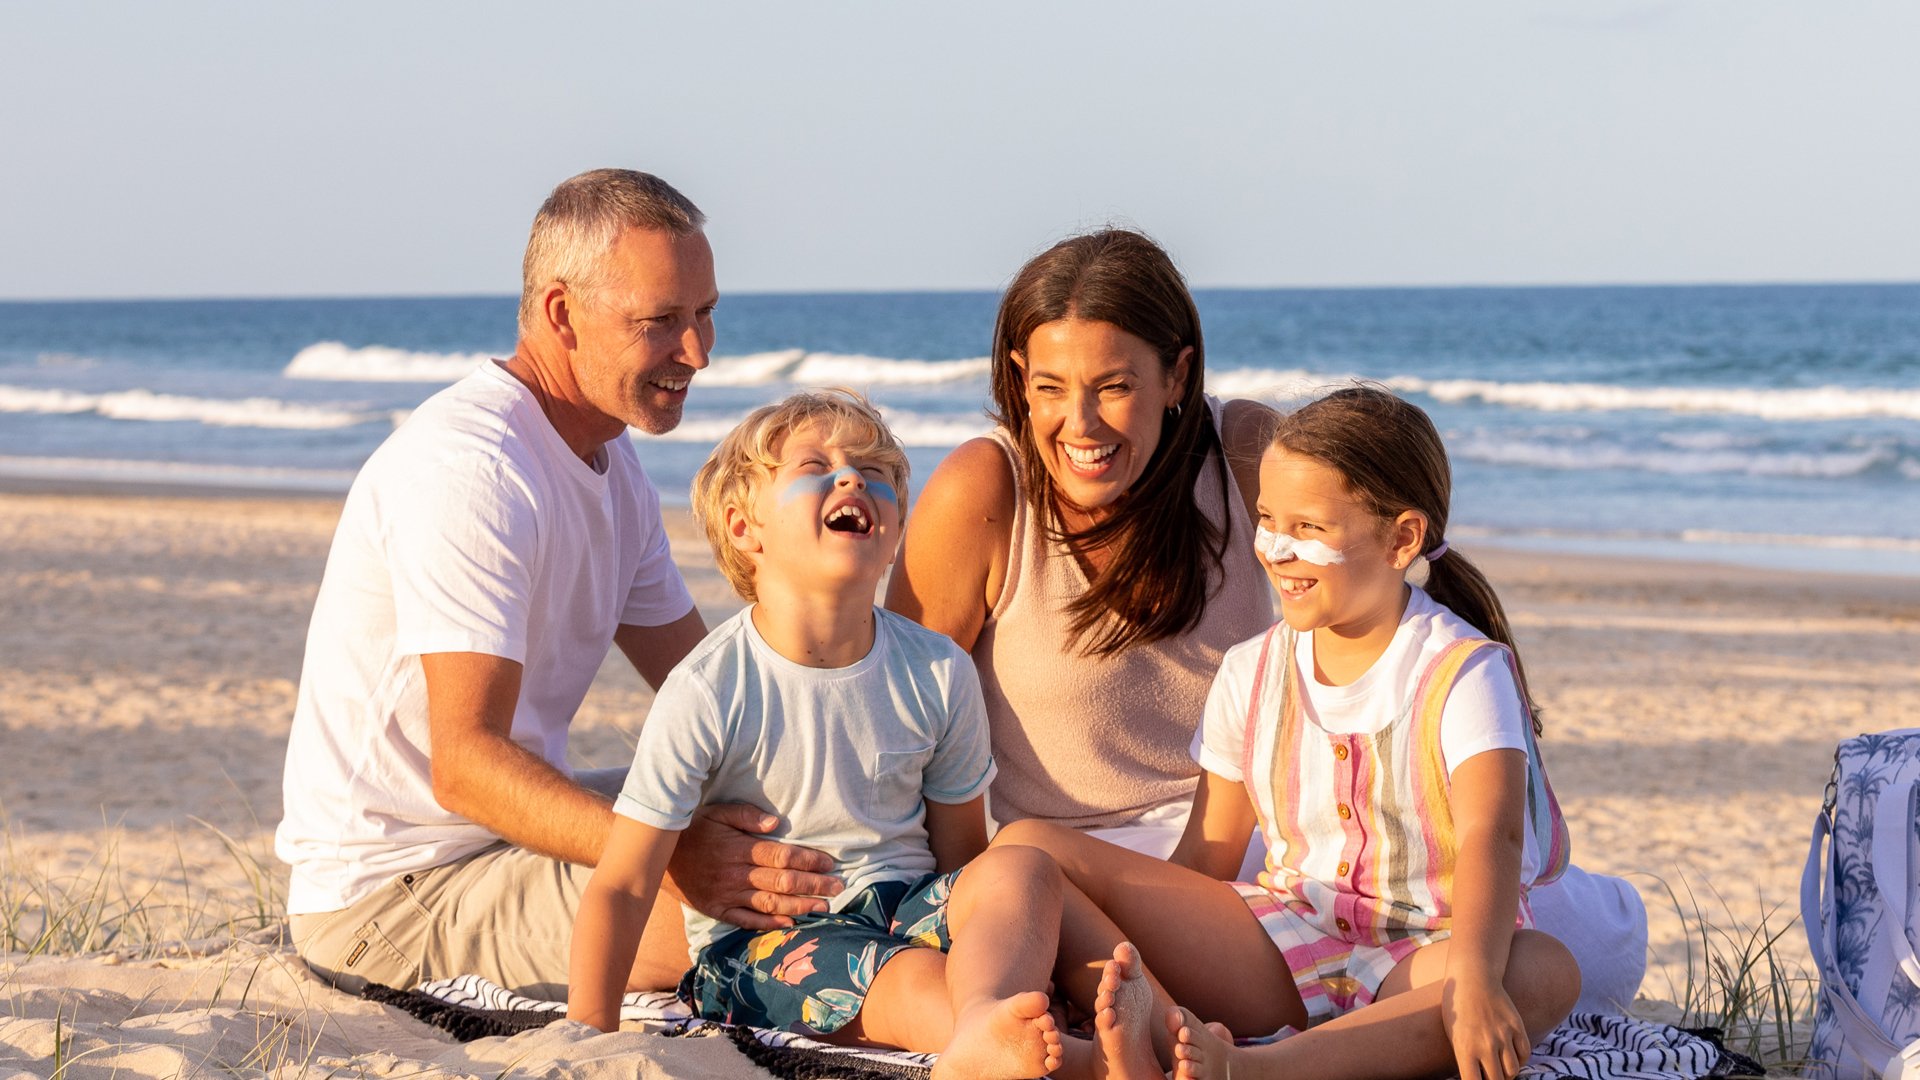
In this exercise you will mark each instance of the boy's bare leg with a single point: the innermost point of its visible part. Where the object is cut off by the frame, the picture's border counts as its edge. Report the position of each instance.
(981, 1006)
(1400, 1034)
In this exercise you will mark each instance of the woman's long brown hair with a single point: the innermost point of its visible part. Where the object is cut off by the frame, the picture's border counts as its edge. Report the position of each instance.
(1163, 548)
(1391, 456)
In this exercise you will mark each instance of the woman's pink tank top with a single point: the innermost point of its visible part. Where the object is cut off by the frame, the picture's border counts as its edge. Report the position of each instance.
(1096, 741)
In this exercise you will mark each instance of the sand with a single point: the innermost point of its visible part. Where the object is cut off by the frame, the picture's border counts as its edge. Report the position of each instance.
(150, 646)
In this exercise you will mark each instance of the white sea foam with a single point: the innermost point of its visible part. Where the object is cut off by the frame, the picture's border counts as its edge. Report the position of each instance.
(834, 369)
(148, 406)
(1853, 543)
(1271, 385)
(379, 363)
(177, 472)
(1810, 403)
(1580, 455)
(21, 399)
(752, 369)
(332, 360)
(1768, 403)
(911, 428)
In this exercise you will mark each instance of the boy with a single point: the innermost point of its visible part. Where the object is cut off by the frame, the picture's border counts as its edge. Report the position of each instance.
(866, 735)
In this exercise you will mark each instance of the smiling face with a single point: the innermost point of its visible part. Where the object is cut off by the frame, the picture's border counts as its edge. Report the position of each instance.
(1340, 566)
(640, 337)
(1096, 398)
(825, 518)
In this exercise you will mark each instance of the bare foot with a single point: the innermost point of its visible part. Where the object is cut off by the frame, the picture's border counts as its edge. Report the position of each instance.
(1122, 1045)
(1011, 1039)
(1200, 1051)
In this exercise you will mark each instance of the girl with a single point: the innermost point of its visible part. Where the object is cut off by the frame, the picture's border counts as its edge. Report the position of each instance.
(1382, 735)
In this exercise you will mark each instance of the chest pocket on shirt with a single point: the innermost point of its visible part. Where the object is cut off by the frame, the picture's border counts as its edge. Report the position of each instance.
(898, 781)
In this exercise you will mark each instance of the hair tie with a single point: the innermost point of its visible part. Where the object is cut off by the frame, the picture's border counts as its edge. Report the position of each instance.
(1434, 555)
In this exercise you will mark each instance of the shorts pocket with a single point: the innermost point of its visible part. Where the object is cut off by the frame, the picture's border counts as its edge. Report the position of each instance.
(898, 782)
(367, 955)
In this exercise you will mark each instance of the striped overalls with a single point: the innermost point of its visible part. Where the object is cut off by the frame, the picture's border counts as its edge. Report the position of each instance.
(1360, 830)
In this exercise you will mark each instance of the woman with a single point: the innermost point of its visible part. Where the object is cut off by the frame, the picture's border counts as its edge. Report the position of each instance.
(1094, 554)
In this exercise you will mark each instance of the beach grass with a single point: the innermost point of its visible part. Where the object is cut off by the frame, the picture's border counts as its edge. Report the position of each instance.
(1738, 976)
(99, 906)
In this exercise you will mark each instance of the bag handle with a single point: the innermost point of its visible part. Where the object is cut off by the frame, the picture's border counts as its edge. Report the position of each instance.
(1858, 1030)
(1893, 816)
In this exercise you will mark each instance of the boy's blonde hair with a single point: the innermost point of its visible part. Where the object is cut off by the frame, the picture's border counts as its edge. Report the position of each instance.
(750, 453)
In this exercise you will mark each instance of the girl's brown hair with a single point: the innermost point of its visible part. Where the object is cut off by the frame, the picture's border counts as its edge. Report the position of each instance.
(1391, 457)
(1164, 549)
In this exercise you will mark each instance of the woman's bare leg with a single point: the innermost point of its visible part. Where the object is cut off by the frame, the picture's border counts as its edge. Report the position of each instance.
(1199, 942)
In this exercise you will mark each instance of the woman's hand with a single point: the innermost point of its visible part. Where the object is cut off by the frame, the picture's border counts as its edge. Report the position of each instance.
(1489, 1039)
(724, 870)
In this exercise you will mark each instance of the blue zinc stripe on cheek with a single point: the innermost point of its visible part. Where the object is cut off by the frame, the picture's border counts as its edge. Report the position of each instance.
(821, 485)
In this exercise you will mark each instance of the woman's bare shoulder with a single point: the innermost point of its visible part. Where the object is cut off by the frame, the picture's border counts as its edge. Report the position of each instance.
(1245, 429)
(973, 483)
(949, 575)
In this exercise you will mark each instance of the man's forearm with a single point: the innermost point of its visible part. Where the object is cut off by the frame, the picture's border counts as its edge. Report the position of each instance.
(519, 797)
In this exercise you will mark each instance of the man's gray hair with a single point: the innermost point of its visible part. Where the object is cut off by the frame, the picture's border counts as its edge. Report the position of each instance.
(579, 223)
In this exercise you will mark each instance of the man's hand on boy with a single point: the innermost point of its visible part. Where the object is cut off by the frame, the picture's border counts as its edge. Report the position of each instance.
(726, 871)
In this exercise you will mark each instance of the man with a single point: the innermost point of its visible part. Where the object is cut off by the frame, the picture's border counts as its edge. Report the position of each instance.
(489, 553)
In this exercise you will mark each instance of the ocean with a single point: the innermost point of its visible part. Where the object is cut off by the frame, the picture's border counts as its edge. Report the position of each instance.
(1776, 426)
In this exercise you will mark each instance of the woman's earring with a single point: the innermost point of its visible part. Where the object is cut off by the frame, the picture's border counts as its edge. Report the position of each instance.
(1173, 411)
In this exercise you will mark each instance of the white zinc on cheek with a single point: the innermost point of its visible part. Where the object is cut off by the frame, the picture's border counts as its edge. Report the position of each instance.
(1279, 547)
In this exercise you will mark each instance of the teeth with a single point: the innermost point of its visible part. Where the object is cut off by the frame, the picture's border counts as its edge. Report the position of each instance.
(1090, 456)
(1294, 584)
(851, 510)
(675, 385)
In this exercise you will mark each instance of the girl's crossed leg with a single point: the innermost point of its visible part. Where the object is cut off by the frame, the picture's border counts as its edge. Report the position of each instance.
(1403, 1033)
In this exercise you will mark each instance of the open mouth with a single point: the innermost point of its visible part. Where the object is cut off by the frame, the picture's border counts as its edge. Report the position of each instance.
(1293, 586)
(850, 518)
(1089, 459)
(672, 386)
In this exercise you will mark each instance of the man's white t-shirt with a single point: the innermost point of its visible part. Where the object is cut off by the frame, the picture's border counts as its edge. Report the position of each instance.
(1483, 710)
(845, 757)
(473, 528)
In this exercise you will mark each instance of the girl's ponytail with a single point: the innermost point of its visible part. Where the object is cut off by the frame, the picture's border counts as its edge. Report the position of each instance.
(1391, 457)
(1454, 582)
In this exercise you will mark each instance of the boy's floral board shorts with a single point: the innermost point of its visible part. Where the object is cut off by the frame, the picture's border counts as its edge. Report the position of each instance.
(812, 977)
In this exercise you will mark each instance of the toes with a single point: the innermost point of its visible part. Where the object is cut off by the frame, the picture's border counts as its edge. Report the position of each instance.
(1031, 1005)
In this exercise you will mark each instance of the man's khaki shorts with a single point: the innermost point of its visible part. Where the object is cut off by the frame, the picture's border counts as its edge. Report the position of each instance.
(503, 912)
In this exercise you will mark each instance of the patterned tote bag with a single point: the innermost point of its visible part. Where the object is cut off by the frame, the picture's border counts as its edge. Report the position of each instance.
(1858, 903)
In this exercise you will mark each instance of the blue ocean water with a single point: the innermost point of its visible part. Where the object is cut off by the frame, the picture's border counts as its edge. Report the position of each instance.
(1778, 425)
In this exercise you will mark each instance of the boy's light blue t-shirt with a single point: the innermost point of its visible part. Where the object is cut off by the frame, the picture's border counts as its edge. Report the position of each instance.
(843, 756)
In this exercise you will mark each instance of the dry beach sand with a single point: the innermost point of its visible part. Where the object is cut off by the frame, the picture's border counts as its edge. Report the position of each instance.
(149, 648)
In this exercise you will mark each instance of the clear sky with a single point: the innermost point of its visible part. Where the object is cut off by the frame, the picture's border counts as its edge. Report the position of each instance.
(347, 148)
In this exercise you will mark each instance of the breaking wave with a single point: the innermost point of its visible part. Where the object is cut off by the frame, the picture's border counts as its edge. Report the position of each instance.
(1767, 403)
(256, 412)
(334, 361)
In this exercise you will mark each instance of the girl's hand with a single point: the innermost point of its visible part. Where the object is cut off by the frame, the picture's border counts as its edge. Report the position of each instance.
(1489, 1040)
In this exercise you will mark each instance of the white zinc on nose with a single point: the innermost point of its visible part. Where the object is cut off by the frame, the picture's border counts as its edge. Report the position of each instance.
(1279, 547)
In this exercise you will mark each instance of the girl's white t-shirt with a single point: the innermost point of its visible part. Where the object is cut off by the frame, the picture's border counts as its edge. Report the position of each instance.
(1484, 710)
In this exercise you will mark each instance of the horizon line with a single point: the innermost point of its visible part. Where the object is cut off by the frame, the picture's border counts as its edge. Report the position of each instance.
(992, 291)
